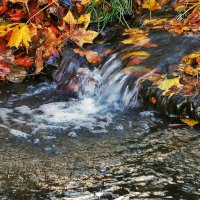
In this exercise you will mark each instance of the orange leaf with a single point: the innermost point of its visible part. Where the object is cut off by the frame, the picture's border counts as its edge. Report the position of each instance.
(81, 36)
(24, 62)
(153, 100)
(91, 56)
(152, 5)
(190, 122)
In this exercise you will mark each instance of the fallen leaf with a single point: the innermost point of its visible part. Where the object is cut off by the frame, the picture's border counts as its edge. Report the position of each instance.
(19, 1)
(142, 54)
(153, 100)
(39, 62)
(166, 84)
(81, 36)
(69, 19)
(84, 19)
(20, 36)
(155, 23)
(152, 5)
(89, 1)
(137, 37)
(24, 62)
(5, 29)
(92, 56)
(190, 122)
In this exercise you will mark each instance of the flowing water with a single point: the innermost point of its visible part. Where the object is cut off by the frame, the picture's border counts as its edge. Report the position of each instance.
(86, 136)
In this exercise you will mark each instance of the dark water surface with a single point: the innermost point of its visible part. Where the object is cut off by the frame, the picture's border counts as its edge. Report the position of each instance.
(55, 147)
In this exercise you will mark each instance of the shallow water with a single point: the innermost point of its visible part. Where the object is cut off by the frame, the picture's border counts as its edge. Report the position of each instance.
(55, 147)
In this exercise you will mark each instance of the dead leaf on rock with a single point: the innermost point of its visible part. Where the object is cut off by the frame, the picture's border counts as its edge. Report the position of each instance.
(168, 84)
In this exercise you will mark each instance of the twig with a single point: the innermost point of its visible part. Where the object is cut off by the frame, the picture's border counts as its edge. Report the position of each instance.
(39, 12)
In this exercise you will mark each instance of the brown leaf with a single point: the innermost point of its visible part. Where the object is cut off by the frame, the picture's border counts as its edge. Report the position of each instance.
(39, 62)
(81, 36)
(91, 56)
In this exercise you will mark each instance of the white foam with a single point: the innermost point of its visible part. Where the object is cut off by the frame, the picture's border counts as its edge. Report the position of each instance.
(4, 112)
(23, 109)
(57, 117)
(62, 112)
(18, 133)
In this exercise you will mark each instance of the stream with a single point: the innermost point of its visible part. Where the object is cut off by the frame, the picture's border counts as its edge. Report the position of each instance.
(87, 137)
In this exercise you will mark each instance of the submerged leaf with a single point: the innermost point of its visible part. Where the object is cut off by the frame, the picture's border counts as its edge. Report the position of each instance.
(190, 122)
(91, 56)
(142, 54)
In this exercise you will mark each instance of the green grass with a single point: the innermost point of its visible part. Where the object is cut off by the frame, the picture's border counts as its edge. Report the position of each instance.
(110, 11)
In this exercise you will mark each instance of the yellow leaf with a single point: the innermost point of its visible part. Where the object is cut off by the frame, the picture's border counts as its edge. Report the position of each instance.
(5, 29)
(137, 37)
(138, 41)
(84, 19)
(81, 36)
(69, 19)
(19, 1)
(188, 59)
(180, 8)
(20, 36)
(190, 122)
(168, 83)
(135, 53)
(151, 5)
(154, 22)
(83, 2)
